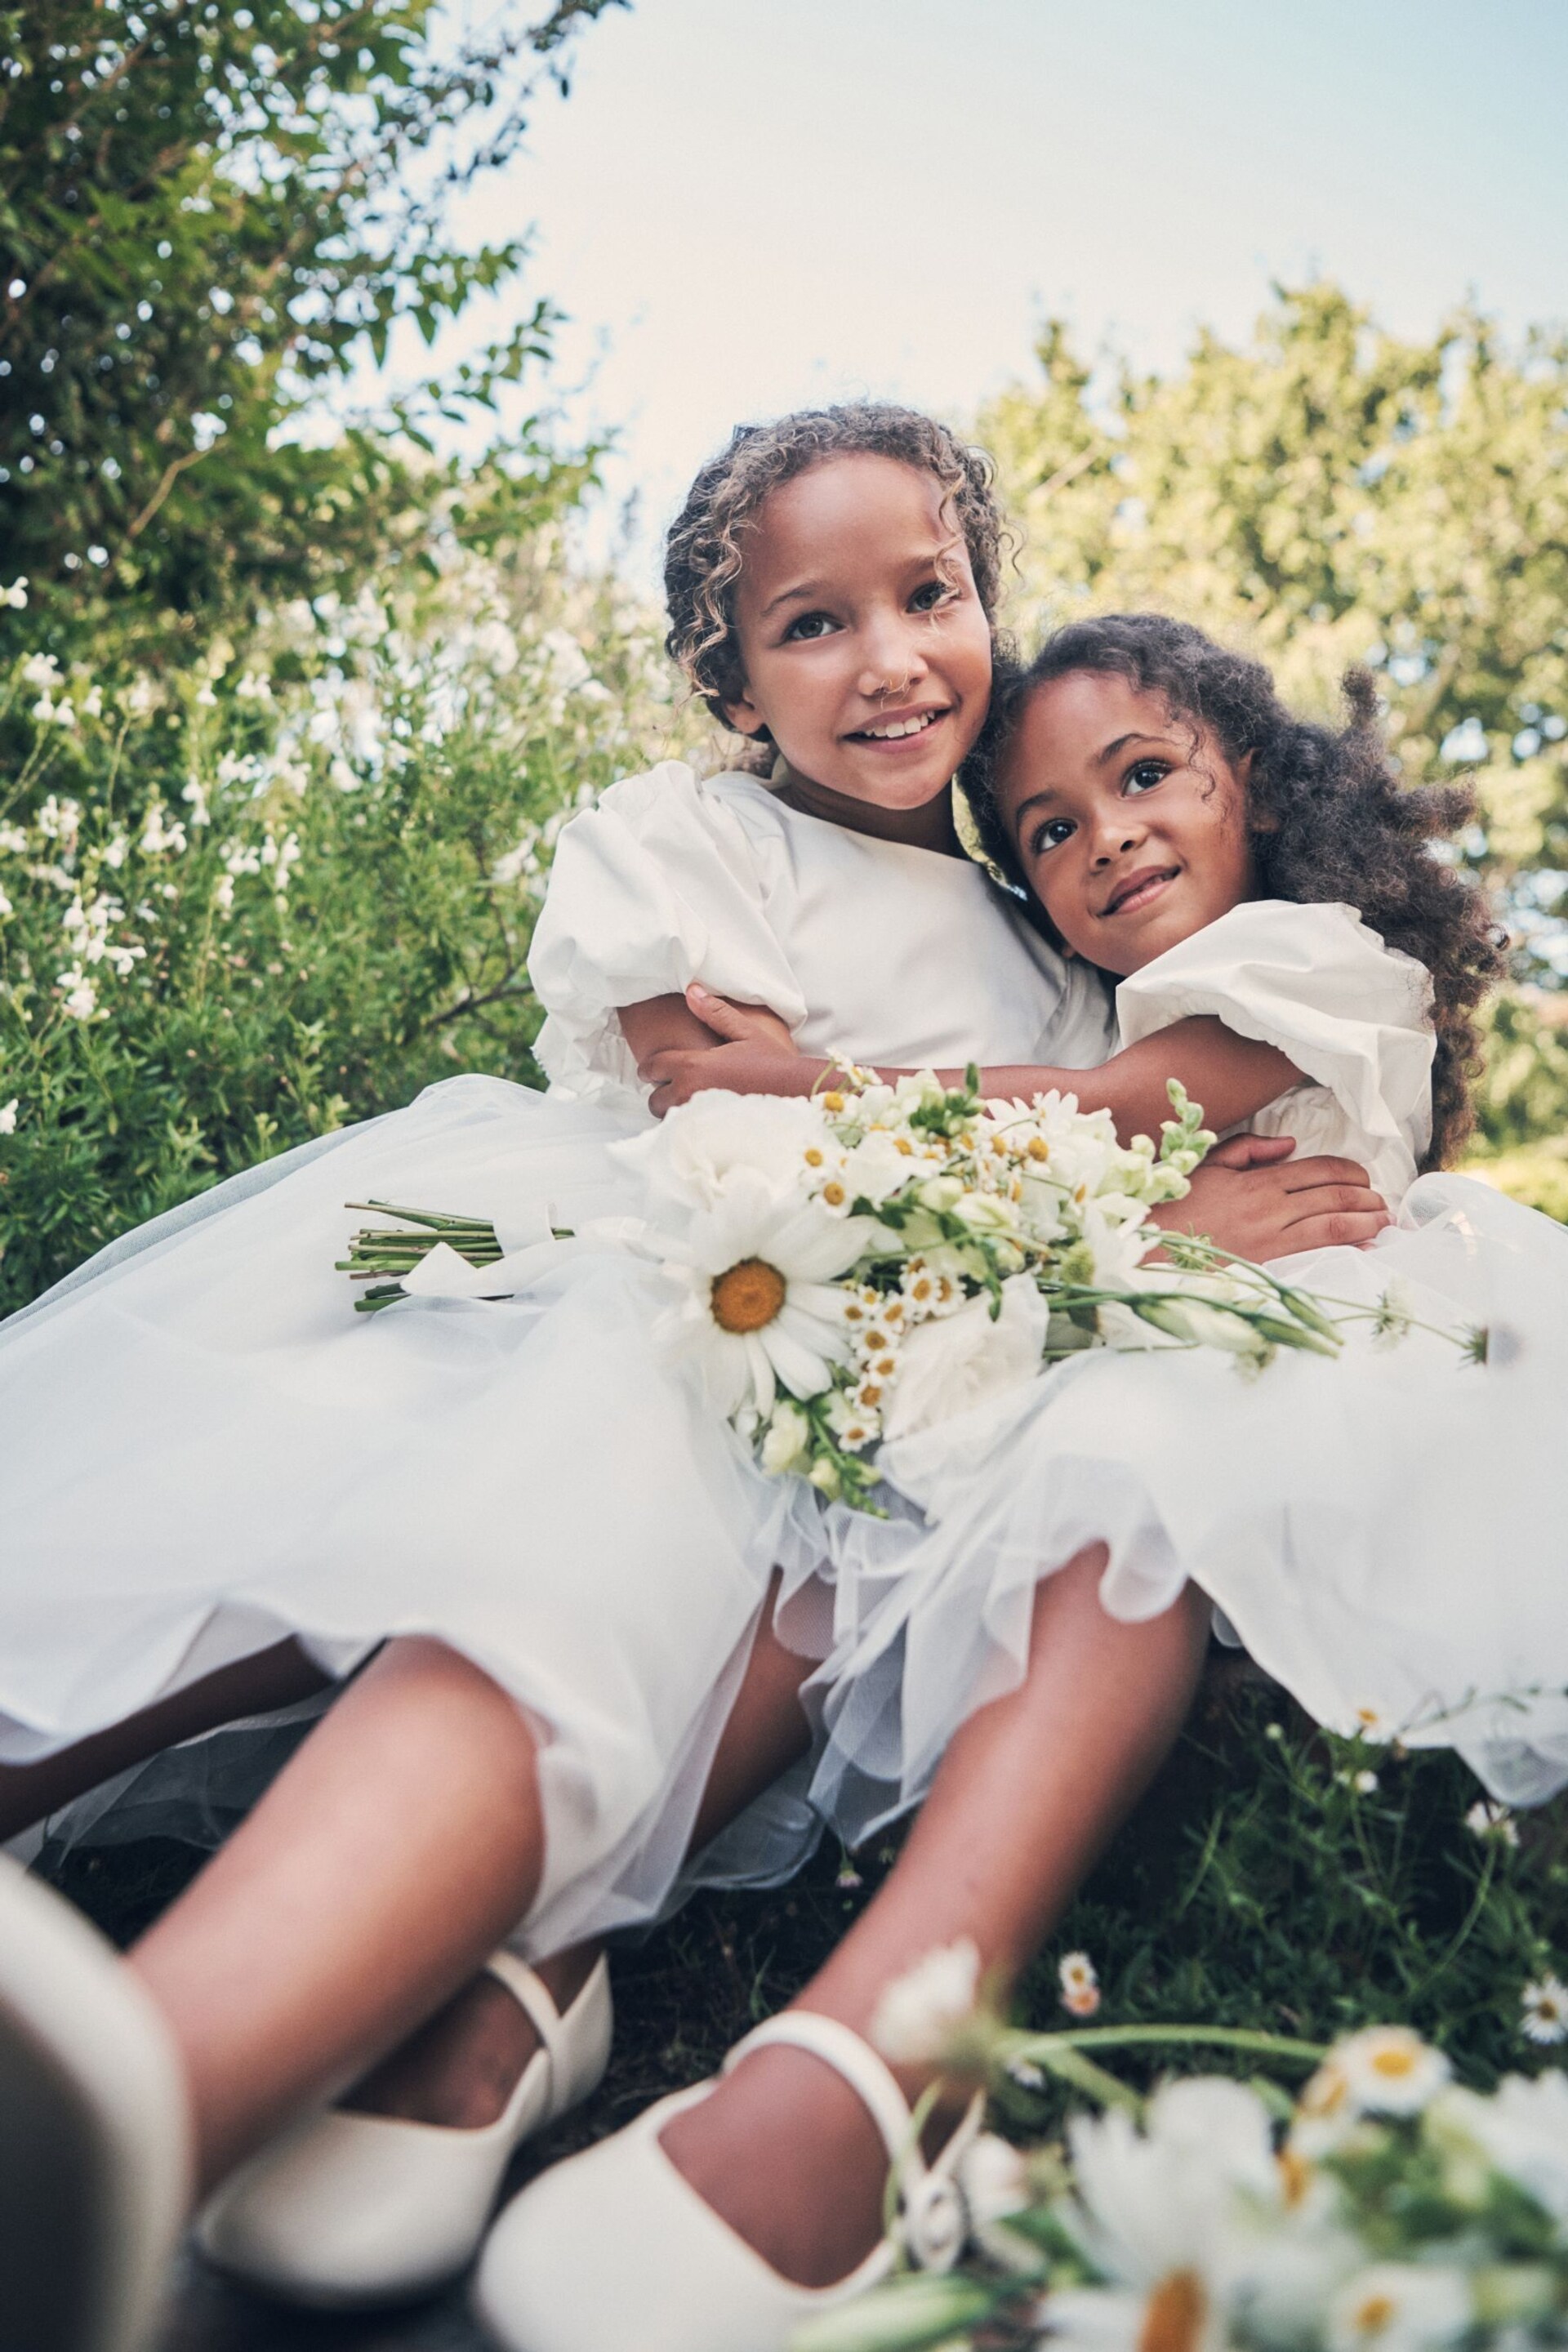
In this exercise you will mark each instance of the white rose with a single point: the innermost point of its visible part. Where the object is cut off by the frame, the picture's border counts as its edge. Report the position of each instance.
(955, 1362)
(693, 1156)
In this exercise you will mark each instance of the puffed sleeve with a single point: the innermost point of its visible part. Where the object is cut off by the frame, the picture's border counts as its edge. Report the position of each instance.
(1353, 1014)
(659, 885)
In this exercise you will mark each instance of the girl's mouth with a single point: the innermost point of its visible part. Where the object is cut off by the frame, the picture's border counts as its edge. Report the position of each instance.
(1139, 890)
(900, 730)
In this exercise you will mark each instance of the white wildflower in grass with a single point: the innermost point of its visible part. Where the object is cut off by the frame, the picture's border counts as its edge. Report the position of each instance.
(1389, 2070)
(1487, 1819)
(8, 1116)
(1400, 2307)
(79, 996)
(920, 2013)
(1079, 1984)
(1363, 1783)
(1372, 1723)
(158, 837)
(1545, 2006)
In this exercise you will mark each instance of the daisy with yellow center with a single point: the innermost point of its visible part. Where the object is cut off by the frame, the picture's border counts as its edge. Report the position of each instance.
(1545, 2006)
(758, 1302)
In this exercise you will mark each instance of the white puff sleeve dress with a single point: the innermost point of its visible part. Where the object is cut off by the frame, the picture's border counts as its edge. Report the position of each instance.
(202, 1449)
(1387, 1533)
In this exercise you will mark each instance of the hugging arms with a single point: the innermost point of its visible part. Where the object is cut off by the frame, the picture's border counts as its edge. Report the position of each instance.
(1252, 1194)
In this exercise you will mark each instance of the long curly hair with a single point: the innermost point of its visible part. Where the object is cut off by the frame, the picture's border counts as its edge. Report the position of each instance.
(705, 548)
(1328, 817)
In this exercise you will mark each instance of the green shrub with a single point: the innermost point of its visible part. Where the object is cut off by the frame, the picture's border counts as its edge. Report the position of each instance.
(291, 885)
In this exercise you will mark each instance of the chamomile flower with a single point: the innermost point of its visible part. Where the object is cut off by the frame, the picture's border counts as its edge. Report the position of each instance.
(1390, 2070)
(1400, 2307)
(1079, 1984)
(921, 2011)
(1485, 1819)
(1545, 2006)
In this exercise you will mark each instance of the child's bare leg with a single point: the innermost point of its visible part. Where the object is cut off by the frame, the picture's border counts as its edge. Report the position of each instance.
(390, 1856)
(460, 2068)
(253, 1686)
(1027, 1795)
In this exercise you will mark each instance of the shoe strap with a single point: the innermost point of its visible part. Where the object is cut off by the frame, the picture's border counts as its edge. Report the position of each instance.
(838, 2046)
(533, 1996)
(933, 2215)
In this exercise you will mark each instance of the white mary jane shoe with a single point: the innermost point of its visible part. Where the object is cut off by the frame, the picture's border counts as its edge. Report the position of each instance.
(615, 2249)
(94, 2135)
(348, 2210)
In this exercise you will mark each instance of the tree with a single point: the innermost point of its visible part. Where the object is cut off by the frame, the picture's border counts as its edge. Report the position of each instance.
(206, 212)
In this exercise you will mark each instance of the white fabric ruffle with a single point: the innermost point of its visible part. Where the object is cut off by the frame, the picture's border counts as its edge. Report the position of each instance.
(1387, 1533)
(1353, 1014)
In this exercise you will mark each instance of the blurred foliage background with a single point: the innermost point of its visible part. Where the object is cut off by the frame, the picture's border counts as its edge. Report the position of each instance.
(292, 700)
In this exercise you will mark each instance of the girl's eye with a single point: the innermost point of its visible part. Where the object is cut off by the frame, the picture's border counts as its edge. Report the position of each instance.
(1144, 776)
(806, 625)
(1050, 836)
(930, 594)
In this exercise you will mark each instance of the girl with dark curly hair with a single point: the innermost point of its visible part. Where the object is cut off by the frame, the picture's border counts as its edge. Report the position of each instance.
(1385, 1532)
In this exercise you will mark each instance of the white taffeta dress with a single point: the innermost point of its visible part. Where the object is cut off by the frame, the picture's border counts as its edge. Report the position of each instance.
(1387, 1534)
(202, 1449)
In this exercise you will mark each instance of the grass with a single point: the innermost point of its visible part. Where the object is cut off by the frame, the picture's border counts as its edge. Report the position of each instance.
(1257, 1885)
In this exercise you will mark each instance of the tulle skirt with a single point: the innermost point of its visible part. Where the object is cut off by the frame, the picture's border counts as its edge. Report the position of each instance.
(204, 1450)
(1387, 1534)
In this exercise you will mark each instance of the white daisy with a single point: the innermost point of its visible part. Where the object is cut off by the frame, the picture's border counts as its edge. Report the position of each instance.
(1389, 2070)
(759, 1308)
(1079, 1984)
(1485, 1819)
(1400, 2307)
(1545, 2007)
(921, 2012)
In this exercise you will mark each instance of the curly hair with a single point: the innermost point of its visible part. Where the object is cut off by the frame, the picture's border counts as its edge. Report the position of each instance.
(1328, 817)
(703, 555)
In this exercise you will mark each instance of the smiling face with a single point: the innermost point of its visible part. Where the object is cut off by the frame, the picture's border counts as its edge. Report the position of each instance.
(866, 649)
(1130, 823)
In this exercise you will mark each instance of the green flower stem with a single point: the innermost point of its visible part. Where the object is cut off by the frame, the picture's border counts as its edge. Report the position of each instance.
(1045, 2049)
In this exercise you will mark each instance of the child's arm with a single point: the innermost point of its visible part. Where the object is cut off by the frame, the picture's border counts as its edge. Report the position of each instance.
(1231, 1077)
(667, 1026)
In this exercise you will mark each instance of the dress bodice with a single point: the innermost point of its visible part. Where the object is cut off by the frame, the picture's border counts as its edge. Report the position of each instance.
(871, 949)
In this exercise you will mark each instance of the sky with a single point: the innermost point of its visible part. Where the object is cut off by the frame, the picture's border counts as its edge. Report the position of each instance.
(746, 206)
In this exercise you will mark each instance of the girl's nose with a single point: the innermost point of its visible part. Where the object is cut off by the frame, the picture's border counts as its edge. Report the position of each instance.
(1115, 840)
(893, 663)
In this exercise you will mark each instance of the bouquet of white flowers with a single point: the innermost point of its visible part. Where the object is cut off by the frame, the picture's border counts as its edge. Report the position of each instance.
(868, 1262)
(1387, 2208)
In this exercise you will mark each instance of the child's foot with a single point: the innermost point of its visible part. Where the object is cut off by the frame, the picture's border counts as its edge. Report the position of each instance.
(463, 2064)
(786, 2152)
